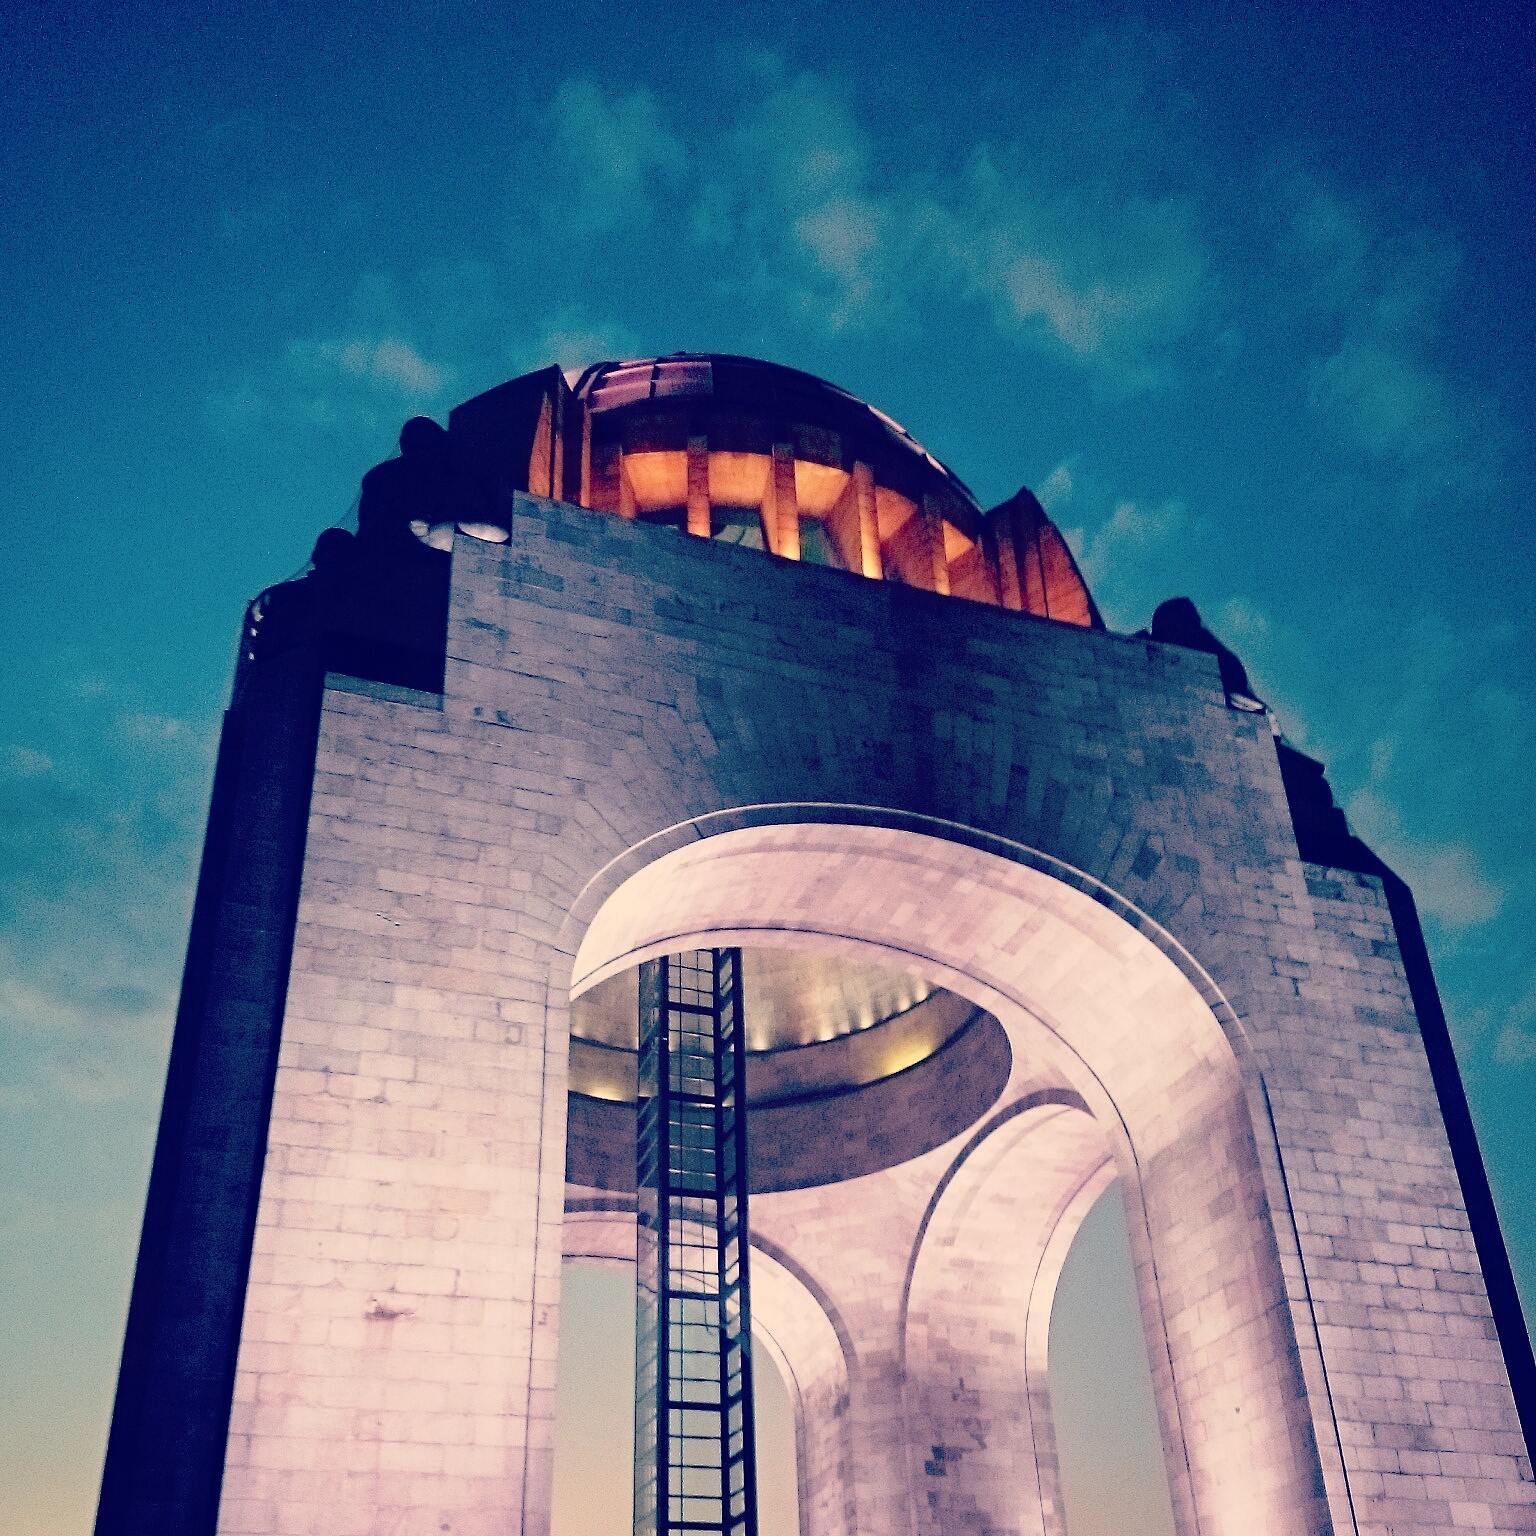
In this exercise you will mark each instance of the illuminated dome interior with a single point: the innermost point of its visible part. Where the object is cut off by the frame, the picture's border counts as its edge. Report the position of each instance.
(780, 461)
(813, 1021)
(756, 454)
(896, 1064)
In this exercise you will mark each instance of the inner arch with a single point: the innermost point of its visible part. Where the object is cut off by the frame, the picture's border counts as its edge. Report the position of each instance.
(1102, 1407)
(978, 1311)
(802, 1338)
(594, 1414)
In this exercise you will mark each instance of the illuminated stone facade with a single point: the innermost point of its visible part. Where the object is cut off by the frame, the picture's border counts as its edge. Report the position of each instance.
(1177, 966)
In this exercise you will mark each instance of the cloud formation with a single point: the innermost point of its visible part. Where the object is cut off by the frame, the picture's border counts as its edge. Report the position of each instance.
(611, 154)
(1515, 1043)
(1132, 552)
(98, 836)
(1377, 291)
(1104, 279)
(788, 202)
(568, 338)
(357, 381)
(387, 360)
(1055, 491)
(1447, 683)
(1386, 400)
(1447, 878)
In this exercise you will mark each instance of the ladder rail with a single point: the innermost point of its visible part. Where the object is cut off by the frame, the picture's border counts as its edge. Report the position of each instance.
(695, 1454)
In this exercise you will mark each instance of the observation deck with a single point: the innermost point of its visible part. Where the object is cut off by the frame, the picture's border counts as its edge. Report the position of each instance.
(757, 454)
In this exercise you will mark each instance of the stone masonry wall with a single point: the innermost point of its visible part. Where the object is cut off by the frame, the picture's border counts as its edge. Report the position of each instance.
(608, 680)
(1414, 1366)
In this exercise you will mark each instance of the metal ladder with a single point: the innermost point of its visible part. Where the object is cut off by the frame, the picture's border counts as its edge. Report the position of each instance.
(695, 1458)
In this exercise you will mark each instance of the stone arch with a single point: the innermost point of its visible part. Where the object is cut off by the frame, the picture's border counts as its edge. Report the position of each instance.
(801, 1332)
(1097, 999)
(976, 1318)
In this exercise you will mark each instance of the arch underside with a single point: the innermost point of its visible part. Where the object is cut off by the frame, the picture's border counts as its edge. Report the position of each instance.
(940, 1272)
(977, 1331)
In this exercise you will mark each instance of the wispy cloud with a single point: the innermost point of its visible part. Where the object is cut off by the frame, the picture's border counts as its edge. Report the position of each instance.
(1384, 399)
(27, 762)
(1132, 552)
(1055, 491)
(785, 201)
(357, 381)
(843, 238)
(98, 832)
(572, 340)
(784, 209)
(1133, 529)
(790, 197)
(1036, 290)
(1412, 799)
(1374, 293)
(1447, 877)
(612, 158)
(387, 360)
(1106, 280)
(1515, 1042)
(387, 366)
(410, 342)
(1242, 621)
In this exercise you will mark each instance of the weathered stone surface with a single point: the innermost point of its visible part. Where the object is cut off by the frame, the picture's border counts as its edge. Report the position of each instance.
(648, 740)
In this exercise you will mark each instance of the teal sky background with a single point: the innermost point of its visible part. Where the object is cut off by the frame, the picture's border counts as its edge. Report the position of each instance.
(1245, 295)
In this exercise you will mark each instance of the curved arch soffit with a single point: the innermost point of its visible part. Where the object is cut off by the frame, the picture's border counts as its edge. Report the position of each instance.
(1032, 1171)
(823, 815)
(647, 902)
(963, 1168)
(1141, 1030)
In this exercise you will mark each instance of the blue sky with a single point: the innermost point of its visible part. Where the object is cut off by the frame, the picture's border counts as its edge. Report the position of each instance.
(1244, 297)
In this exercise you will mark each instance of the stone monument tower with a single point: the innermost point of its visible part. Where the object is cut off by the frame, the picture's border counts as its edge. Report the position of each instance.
(701, 667)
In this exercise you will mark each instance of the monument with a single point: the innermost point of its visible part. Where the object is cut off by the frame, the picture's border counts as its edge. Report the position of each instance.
(680, 793)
